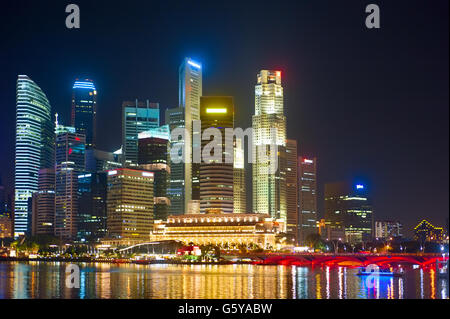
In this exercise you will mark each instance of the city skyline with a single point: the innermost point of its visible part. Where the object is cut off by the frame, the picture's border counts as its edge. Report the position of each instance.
(385, 170)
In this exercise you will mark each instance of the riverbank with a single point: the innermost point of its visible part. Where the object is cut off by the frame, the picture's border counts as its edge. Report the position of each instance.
(120, 261)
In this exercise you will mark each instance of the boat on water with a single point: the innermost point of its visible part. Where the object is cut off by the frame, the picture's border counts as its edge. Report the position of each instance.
(380, 272)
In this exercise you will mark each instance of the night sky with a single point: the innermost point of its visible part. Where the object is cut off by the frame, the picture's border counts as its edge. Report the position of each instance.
(372, 105)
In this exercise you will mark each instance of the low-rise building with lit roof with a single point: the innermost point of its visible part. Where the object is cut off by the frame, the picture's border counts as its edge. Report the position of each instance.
(219, 229)
(425, 231)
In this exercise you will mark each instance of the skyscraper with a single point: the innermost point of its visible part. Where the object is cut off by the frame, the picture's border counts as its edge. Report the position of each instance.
(307, 198)
(291, 189)
(84, 110)
(385, 229)
(70, 162)
(43, 216)
(216, 175)
(239, 189)
(130, 204)
(175, 119)
(348, 208)
(269, 127)
(190, 91)
(137, 117)
(154, 157)
(34, 146)
(91, 206)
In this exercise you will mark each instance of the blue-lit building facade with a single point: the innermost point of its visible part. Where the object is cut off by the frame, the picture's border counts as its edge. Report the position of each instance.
(137, 117)
(34, 147)
(84, 110)
(348, 208)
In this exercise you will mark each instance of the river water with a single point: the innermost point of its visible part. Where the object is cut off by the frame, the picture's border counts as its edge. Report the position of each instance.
(101, 280)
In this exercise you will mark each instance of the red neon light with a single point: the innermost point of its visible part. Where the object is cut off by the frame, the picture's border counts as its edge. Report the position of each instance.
(70, 151)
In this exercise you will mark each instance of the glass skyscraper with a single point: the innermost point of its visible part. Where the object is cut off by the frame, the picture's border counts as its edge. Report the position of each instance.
(348, 208)
(84, 110)
(291, 190)
(175, 119)
(154, 157)
(91, 206)
(190, 91)
(137, 117)
(307, 197)
(34, 146)
(269, 181)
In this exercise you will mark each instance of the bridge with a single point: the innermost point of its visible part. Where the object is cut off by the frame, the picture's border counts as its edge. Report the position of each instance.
(154, 247)
(350, 260)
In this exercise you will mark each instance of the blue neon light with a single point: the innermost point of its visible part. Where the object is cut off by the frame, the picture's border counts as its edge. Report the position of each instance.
(194, 64)
(83, 85)
(359, 186)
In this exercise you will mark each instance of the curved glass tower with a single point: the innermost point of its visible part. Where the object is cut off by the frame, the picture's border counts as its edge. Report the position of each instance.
(34, 147)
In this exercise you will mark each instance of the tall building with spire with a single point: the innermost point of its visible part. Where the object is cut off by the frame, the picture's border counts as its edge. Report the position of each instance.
(34, 147)
(70, 159)
(269, 127)
(190, 91)
(84, 110)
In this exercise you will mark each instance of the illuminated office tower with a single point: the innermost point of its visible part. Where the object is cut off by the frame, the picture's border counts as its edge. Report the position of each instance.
(292, 190)
(70, 162)
(386, 229)
(91, 206)
(190, 91)
(34, 146)
(154, 157)
(269, 127)
(175, 119)
(239, 189)
(348, 208)
(216, 176)
(129, 204)
(84, 110)
(137, 117)
(307, 197)
(43, 216)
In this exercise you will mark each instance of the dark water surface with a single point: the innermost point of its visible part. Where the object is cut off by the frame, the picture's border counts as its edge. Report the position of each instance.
(101, 280)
